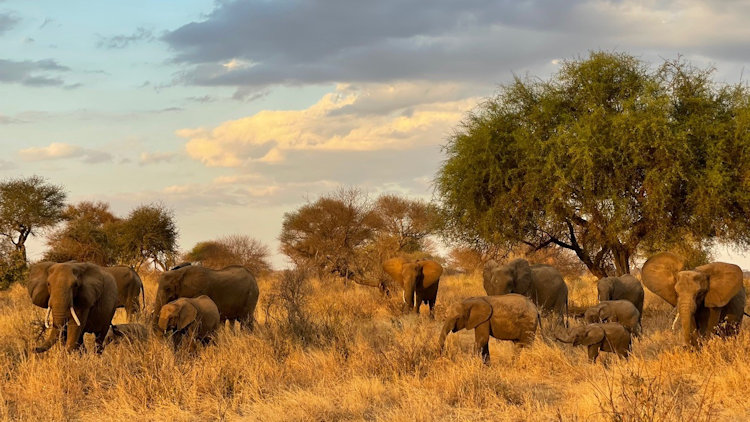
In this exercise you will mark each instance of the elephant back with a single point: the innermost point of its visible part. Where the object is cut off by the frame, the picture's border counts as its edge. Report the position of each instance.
(659, 275)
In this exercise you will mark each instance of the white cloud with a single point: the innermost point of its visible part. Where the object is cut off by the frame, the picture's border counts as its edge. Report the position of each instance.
(368, 118)
(60, 150)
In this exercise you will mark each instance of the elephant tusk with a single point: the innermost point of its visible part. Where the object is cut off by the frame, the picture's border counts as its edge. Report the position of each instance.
(46, 317)
(675, 320)
(75, 317)
(403, 295)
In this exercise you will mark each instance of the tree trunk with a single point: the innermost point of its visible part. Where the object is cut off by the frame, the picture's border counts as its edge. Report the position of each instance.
(622, 260)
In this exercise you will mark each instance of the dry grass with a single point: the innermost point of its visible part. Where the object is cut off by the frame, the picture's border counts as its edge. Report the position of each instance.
(355, 358)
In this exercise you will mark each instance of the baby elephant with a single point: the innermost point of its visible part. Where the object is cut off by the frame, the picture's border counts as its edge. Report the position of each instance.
(622, 311)
(608, 337)
(508, 317)
(191, 318)
(130, 333)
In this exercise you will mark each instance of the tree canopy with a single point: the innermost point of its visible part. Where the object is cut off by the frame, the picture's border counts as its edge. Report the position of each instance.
(232, 250)
(609, 158)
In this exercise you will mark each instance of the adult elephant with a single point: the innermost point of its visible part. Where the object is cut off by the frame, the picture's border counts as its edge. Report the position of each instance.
(419, 279)
(624, 287)
(83, 297)
(704, 296)
(129, 286)
(543, 284)
(233, 289)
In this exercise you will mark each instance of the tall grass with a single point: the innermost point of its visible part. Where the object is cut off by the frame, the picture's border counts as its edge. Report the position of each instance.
(336, 352)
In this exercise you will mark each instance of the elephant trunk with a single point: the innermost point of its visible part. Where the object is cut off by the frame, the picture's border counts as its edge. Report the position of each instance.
(687, 316)
(51, 340)
(563, 336)
(158, 303)
(448, 327)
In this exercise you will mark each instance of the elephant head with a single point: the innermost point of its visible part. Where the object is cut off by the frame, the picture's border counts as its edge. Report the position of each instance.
(465, 315)
(606, 288)
(169, 285)
(709, 286)
(176, 316)
(66, 291)
(597, 314)
(37, 283)
(513, 277)
(583, 335)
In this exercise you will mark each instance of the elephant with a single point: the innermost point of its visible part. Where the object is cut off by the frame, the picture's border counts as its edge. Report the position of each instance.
(543, 284)
(508, 317)
(705, 296)
(190, 318)
(622, 311)
(624, 287)
(233, 289)
(419, 279)
(129, 287)
(607, 337)
(130, 333)
(84, 297)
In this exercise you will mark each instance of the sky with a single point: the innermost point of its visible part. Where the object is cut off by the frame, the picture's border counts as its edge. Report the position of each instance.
(232, 113)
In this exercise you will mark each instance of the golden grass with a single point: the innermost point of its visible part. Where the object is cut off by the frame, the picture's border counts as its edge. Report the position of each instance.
(358, 359)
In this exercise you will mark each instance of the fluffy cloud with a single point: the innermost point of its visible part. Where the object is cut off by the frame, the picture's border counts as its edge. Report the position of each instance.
(258, 43)
(367, 118)
(59, 151)
(7, 22)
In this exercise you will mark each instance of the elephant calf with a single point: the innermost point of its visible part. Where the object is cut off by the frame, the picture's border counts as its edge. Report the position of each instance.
(622, 311)
(508, 317)
(192, 318)
(608, 337)
(130, 333)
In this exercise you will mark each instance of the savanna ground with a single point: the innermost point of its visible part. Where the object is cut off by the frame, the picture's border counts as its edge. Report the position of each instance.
(334, 352)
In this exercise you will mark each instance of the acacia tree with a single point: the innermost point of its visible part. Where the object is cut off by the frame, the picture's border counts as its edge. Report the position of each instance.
(88, 235)
(608, 158)
(29, 206)
(405, 223)
(232, 250)
(148, 234)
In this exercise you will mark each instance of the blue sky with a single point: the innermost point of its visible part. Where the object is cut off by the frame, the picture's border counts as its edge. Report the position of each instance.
(232, 113)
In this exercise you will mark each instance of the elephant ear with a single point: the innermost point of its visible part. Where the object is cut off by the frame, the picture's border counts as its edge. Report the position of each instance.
(592, 335)
(659, 275)
(724, 282)
(188, 314)
(431, 272)
(393, 268)
(522, 272)
(37, 283)
(478, 311)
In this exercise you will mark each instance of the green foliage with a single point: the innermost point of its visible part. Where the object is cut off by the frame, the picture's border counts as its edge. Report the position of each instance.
(606, 158)
(12, 265)
(232, 250)
(28, 206)
(148, 234)
(87, 235)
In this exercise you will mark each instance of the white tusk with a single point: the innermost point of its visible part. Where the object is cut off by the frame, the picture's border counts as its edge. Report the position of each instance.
(46, 317)
(75, 317)
(675, 320)
(403, 295)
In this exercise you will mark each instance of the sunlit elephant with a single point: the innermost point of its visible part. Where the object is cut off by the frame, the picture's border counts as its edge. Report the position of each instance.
(624, 287)
(622, 311)
(419, 279)
(84, 297)
(508, 317)
(189, 319)
(705, 297)
(233, 289)
(608, 337)
(543, 284)
(129, 286)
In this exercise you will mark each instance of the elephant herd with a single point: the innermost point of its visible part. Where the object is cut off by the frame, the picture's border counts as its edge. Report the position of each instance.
(710, 299)
(191, 302)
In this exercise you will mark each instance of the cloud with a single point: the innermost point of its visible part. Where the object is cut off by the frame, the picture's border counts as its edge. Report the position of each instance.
(32, 73)
(352, 118)
(7, 120)
(60, 151)
(258, 43)
(147, 158)
(122, 41)
(7, 22)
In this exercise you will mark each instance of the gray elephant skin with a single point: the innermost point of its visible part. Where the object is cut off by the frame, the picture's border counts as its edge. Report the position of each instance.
(607, 337)
(82, 296)
(543, 284)
(127, 333)
(233, 290)
(190, 319)
(510, 317)
(624, 287)
(622, 311)
(419, 279)
(709, 299)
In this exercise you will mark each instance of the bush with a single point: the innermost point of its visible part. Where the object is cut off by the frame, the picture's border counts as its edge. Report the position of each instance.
(12, 266)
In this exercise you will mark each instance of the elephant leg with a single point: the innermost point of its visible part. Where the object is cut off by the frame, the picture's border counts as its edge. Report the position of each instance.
(418, 302)
(99, 342)
(482, 341)
(431, 304)
(594, 352)
(75, 331)
(248, 322)
(713, 320)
